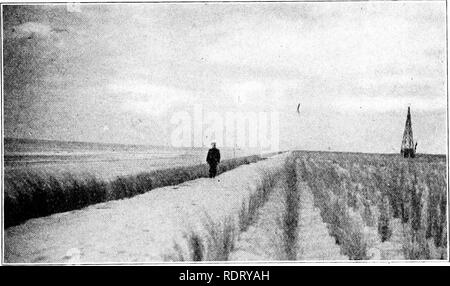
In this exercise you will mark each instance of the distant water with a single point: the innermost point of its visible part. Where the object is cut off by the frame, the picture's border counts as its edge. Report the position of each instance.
(101, 160)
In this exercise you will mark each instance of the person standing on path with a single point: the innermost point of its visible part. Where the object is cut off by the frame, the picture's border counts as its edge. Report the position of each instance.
(213, 159)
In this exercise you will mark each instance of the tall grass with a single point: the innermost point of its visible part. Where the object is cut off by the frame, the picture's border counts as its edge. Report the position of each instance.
(221, 240)
(413, 192)
(249, 209)
(220, 237)
(384, 229)
(214, 243)
(32, 194)
(291, 214)
(327, 188)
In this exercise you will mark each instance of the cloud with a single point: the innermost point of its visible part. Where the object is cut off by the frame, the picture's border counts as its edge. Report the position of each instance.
(258, 95)
(358, 42)
(367, 59)
(149, 99)
(29, 29)
(362, 104)
(342, 47)
(339, 60)
(246, 92)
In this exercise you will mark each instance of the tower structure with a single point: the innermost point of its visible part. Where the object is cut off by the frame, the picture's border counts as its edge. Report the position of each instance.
(408, 149)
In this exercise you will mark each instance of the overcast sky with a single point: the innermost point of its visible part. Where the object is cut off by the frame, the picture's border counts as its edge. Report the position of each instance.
(117, 73)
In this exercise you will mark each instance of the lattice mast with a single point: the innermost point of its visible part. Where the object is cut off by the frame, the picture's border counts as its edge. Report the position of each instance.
(408, 149)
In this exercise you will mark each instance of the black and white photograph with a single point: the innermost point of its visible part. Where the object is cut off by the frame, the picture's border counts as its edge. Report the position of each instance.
(215, 132)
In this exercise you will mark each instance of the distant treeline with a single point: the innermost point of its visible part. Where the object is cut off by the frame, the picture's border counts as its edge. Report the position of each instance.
(32, 194)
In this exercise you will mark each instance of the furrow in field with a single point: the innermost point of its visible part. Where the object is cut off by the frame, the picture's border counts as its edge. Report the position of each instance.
(314, 241)
(388, 250)
(263, 239)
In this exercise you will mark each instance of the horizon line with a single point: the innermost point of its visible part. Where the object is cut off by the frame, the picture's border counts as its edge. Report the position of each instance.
(205, 147)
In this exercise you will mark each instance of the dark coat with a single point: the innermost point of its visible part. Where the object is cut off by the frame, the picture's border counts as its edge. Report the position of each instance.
(213, 157)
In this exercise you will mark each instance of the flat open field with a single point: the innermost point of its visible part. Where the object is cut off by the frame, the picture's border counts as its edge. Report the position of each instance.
(104, 161)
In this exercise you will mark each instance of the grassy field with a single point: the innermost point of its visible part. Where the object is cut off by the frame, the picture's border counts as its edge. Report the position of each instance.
(399, 197)
(31, 194)
(372, 206)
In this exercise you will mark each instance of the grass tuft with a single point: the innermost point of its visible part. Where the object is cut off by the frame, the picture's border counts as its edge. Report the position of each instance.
(249, 209)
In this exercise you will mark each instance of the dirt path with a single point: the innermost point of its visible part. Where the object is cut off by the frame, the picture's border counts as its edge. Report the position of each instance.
(263, 241)
(314, 241)
(144, 228)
